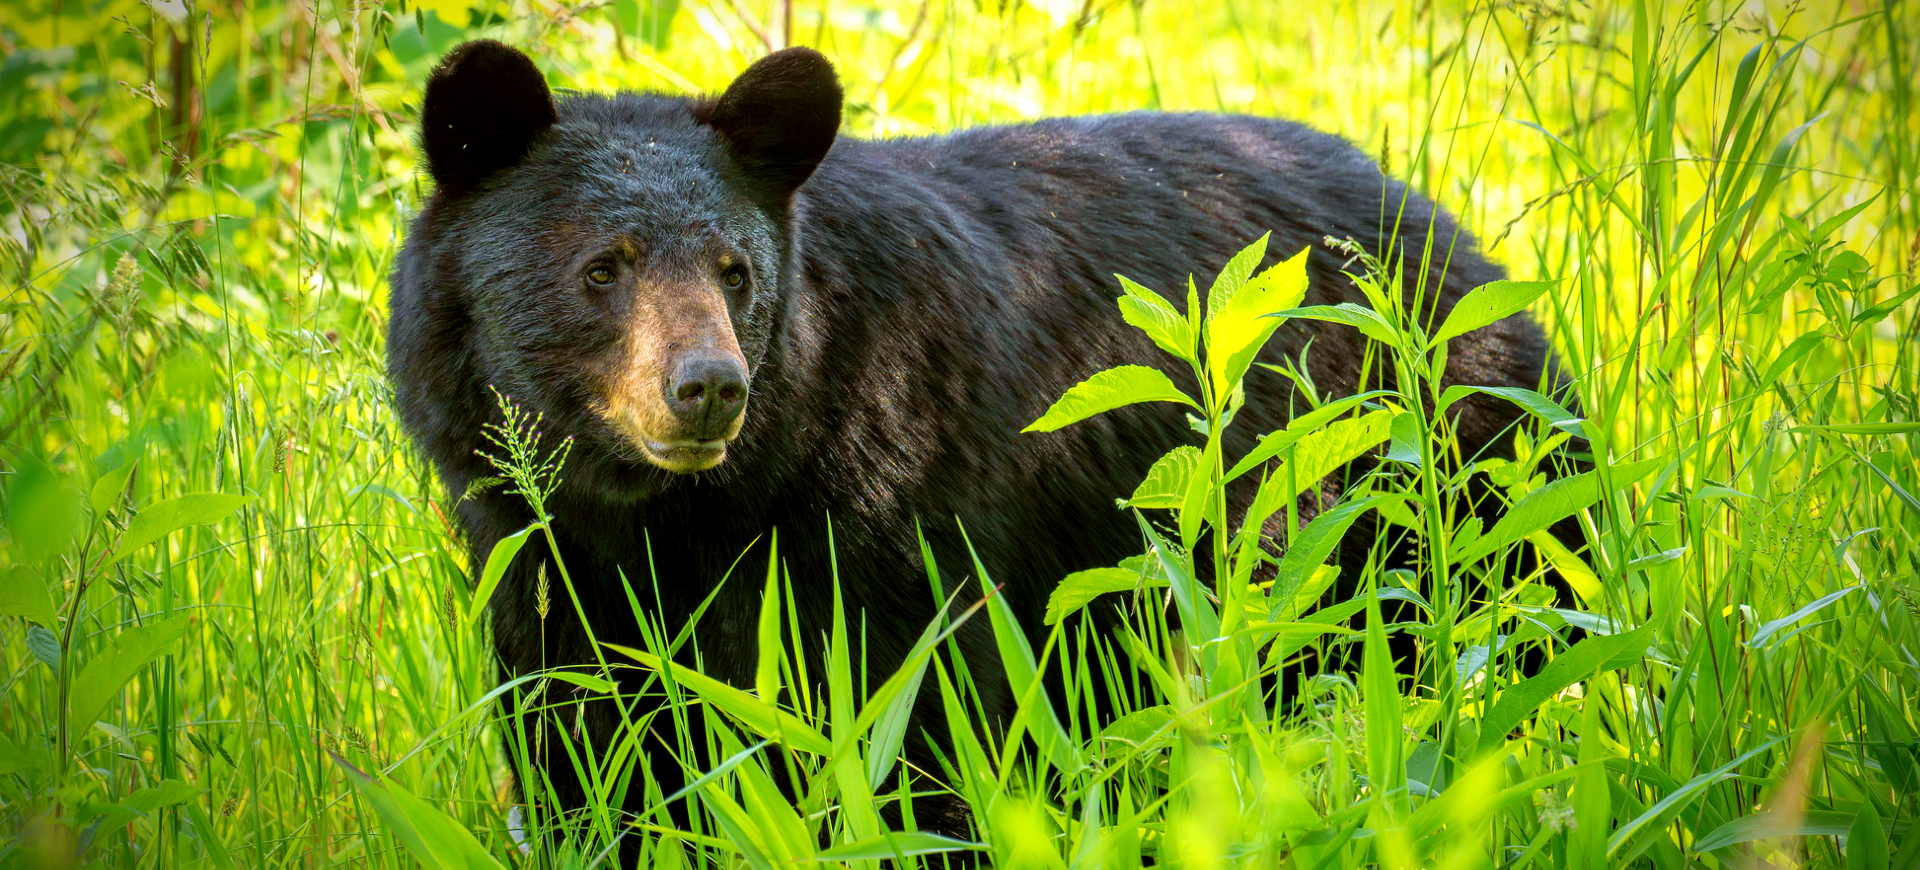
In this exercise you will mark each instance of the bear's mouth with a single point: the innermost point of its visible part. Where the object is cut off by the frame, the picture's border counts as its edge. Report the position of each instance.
(685, 456)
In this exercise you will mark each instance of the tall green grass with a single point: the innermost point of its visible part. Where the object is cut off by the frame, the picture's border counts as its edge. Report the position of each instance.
(238, 622)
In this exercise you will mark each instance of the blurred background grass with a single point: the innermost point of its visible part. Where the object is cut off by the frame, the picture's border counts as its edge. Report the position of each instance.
(202, 201)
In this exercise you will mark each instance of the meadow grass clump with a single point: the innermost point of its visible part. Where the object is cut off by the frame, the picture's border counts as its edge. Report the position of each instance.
(240, 630)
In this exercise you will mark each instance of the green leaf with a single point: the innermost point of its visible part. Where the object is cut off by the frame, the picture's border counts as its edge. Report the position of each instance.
(1489, 304)
(1234, 275)
(1769, 826)
(1023, 675)
(1305, 594)
(45, 646)
(498, 559)
(1548, 410)
(1909, 499)
(1794, 353)
(1156, 317)
(1299, 427)
(103, 677)
(108, 489)
(1318, 454)
(894, 844)
(895, 700)
(1167, 481)
(15, 759)
(1878, 427)
(432, 837)
(1386, 742)
(1198, 619)
(41, 509)
(1760, 635)
(1243, 324)
(1310, 548)
(1551, 503)
(167, 793)
(1880, 311)
(585, 681)
(746, 833)
(759, 716)
(22, 593)
(1582, 660)
(1193, 508)
(161, 519)
(766, 672)
(1113, 388)
(1369, 323)
(1139, 726)
(1676, 800)
(1082, 587)
(717, 771)
(1867, 840)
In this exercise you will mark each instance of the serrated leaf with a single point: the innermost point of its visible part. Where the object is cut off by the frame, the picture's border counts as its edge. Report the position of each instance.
(498, 560)
(1156, 317)
(102, 679)
(432, 837)
(1114, 388)
(1488, 304)
(1165, 485)
(1193, 506)
(1315, 455)
(1242, 326)
(1551, 503)
(1299, 427)
(163, 518)
(1081, 587)
(1234, 275)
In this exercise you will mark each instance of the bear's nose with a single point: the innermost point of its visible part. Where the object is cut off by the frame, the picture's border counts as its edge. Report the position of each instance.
(707, 393)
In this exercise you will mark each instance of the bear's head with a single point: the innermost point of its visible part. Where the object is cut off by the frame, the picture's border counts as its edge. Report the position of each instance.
(619, 260)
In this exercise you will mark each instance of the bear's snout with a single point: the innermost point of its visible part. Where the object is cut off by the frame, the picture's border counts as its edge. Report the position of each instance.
(707, 393)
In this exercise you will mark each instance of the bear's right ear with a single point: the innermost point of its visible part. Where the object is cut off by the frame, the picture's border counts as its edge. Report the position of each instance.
(780, 116)
(485, 103)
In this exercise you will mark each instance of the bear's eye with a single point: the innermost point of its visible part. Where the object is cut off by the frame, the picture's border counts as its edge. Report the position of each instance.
(735, 278)
(600, 274)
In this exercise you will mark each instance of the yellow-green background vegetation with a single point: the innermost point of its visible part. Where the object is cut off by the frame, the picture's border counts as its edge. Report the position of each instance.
(223, 562)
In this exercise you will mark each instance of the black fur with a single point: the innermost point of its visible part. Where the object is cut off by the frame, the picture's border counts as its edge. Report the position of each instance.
(915, 304)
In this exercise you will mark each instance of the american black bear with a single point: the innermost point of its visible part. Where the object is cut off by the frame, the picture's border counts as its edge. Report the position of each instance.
(747, 322)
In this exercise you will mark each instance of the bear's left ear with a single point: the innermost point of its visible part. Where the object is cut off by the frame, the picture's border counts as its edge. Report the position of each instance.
(485, 103)
(780, 116)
